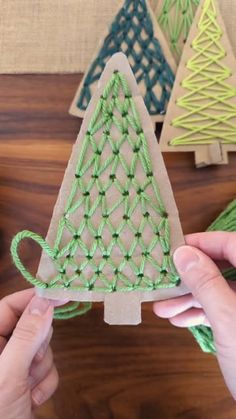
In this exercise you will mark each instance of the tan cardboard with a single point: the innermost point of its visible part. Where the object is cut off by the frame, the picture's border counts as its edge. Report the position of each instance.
(116, 310)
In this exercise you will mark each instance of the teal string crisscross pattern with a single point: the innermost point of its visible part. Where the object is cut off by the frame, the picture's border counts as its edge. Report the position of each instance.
(132, 33)
(114, 234)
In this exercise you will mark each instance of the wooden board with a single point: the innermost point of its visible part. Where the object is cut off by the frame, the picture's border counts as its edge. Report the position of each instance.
(150, 371)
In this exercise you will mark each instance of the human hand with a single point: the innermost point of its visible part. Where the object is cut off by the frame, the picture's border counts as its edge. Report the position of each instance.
(212, 301)
(28, 376)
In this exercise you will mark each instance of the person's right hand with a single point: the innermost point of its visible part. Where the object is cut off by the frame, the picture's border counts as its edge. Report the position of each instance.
(212, 300)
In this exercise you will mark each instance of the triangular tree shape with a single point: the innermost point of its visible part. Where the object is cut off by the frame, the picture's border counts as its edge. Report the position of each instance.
(202, 112)
(115, 223)
(175, 17)
(135, 32)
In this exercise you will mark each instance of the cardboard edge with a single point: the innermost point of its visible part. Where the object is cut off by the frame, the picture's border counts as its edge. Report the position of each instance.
(96, 297)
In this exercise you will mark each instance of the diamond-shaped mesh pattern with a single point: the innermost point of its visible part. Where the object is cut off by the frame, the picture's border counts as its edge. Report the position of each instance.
(132, 33)
(114, 234)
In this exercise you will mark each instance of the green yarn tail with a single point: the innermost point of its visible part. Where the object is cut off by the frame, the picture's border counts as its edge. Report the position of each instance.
(225, 222)
(73, 309)
(204, 337)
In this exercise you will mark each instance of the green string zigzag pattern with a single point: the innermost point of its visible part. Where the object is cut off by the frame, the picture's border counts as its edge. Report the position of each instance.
(89, 196)
(210, 110)
(132, 33)
(175, 18)
(225, 222)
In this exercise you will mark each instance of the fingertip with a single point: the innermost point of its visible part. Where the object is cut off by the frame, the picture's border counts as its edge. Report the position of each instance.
(185, 258)
(160, 310)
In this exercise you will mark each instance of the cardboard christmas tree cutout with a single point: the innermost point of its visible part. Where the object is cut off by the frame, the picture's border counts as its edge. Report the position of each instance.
(115, 223)
(175, 18)
(136, 33)
(202, 112)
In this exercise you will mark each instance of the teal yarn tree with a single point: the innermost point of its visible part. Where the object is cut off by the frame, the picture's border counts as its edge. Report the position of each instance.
(225, 222)
(110, 231)
(135, 32)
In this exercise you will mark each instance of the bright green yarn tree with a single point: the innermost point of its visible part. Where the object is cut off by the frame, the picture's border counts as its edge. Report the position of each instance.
(210, 99)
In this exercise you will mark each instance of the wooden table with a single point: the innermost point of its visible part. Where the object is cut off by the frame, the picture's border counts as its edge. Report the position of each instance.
(153, 371)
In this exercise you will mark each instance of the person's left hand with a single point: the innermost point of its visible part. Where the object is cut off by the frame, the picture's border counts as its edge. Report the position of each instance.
(28, 376)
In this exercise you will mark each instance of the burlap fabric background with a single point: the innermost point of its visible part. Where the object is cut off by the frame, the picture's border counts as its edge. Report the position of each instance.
(60, 36)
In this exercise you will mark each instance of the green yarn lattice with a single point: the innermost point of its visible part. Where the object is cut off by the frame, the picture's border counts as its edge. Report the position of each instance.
(210, 109)
(132, 33)
(175, 18)
(225, 222)
(114, 234)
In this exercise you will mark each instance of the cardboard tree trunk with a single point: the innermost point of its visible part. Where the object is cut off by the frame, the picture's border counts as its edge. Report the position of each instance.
(135, 32)
(201, 115)
(115, 224)
(175, 18)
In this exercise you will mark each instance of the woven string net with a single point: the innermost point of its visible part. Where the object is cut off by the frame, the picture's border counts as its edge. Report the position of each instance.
(132, 33)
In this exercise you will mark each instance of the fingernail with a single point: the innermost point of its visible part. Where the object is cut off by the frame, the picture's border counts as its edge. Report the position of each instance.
(185, 259)
(39, 306)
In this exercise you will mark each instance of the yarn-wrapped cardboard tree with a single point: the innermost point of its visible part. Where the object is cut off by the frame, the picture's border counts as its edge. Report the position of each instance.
(175, 18)
(115, 223)
(136, 33)
(201, 116)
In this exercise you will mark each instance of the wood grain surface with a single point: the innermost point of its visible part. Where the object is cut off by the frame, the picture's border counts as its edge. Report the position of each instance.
(153, 371)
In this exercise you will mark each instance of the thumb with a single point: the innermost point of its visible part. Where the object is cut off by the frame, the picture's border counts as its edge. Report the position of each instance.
(28, 336)
(203, 278)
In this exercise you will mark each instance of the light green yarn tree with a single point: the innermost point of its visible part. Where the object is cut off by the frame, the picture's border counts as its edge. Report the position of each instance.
(175, 18)
(210, 99)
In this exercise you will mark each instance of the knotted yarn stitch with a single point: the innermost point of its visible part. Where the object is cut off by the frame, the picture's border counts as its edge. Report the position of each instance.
(211, 113)
(176, 18)
(105, 244)
(132, 33)
(225, 222)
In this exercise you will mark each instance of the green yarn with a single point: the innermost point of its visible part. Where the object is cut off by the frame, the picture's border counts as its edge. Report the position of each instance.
(95, 232)
(204, 337)
(132, 33)
(175, 19)
(71, 310)
(225, 222)
(211, 112)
